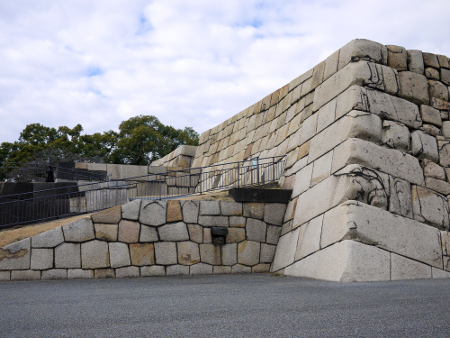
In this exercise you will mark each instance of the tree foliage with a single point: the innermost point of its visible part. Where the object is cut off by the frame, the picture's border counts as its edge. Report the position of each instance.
(141, 140)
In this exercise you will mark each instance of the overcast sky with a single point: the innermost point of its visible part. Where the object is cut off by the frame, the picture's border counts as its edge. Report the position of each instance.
(190, 63)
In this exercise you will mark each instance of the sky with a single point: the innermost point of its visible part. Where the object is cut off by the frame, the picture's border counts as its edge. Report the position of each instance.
(189, 63)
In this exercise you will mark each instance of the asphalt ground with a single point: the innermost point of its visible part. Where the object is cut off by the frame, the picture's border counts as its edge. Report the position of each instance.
(254, 305)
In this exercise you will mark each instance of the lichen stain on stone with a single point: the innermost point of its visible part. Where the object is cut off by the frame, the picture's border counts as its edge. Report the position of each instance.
(6, 254)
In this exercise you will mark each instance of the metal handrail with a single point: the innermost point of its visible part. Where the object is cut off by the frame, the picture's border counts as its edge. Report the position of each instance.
(90, 197)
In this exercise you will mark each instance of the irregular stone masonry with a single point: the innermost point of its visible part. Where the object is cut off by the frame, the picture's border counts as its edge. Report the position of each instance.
(151, 238)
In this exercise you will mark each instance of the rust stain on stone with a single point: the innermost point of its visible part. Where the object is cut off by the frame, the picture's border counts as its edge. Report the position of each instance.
(6, 254)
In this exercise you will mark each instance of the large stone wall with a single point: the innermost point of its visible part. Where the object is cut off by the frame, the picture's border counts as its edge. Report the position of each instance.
(151, 238)
(183, 157)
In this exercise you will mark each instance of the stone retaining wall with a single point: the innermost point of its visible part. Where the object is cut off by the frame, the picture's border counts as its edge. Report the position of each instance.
(183, 157)
(151, 238)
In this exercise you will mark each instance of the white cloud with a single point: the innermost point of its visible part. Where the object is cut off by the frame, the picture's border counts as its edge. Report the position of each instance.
(190, 63)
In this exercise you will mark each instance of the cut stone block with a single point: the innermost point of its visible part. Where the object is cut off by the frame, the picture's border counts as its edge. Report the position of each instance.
(261, 268)
(142, 254)
(16, 256)
(267, 253)
(237, 221)
(177, 270)
(94, 255)
(229, 254)
(361, 49)
(127, 272)
(209, 208)
(322, 168)
(355, 124)
(165, 253)
(6, 275)
(106, 232)
(153, 271)
(444, 154)
(188, 253)
(431, 73)
(285, 252)
(220, 270)
(235, 235)
(210, 254)
(54, 274)
(415, 61)
(273, 234)
(68, 256)
(302, 180)
(148, 234)
(431, 169)
(430, 60)
(373, 226)
(230, 208)
(274, 213)
(131, 210)
(414, 87)
(400, 197)
(438, 90)
(256, 230)
(173, 232)
(445, 76)
(397, 57)
(104, 273)
(430, 207)
(119, 255)
(309, 238)
(48, 239)
(174, 211)
(153, 213)
(254, 210)
(201, 269)
(438, 273)
(439, 186)
(389, 161)
(404, 268)
(25, 275)
(111, 216)
(81, 230)
(42, 259)
(346, 261)
(238, 268)
(195, 233)
(129, 231)
(212, 221)
(248, 253)
(396, 135)
(446, 129)
(79, 274)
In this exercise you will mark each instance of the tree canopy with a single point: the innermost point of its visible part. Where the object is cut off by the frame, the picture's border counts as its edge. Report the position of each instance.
(140, 140)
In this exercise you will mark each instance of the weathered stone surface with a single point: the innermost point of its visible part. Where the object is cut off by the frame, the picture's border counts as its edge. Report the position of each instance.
(431, 115)
(129, 231)
(6, 275)
(173, 232)
(322, 168)
(432, 73)
(131, 210)
(261, 268)
(430, 207)
(104, 273)
(165, 253)
(309, 238)
(285, 252)
(188, 253)
(326, 115)
(112, 216)
(414, 87)
(446, 129)
(254, 210)
(397, 57)
(431, 169)
(273, 234)
(390, 161)
(16, 255)
(211, 221)
(363, 223)
(142, 254)
(68, 256)
(177, 270)
(238, 268)
(195, 233)
(201, 269)
(267, 253)
(445, 76)
(153, 271)
(396, 135)
(54, 274)
(438, 90)
(248, 253)
(220, 270)
(424, 146)
(48, 239)
(400, 197)
(210, 254)
(302, 180)
(235, 235)
(207, 236)
(190, 211)
(148, 234)
(153, 213)
(361, 49)
(346, 261)
(430, 60)
(274, 213)
(209, 208)
(415, 61)
(81, 230)
(80, 274)
(404, 268)
(355, 124)
(25, 275)
(237, 221)
(94, 255)
(174, 211)
(231, 208)
(127, 272)
(106, 232)
(444, 153)
(229, 254)
(42, 259)
(119, 254)
(438, 273)
(256, 230)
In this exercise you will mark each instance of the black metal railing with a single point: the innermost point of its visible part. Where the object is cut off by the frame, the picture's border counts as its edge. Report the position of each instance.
(76, 199)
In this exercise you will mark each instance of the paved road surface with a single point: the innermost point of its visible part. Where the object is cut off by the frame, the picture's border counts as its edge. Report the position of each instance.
(224, 306)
